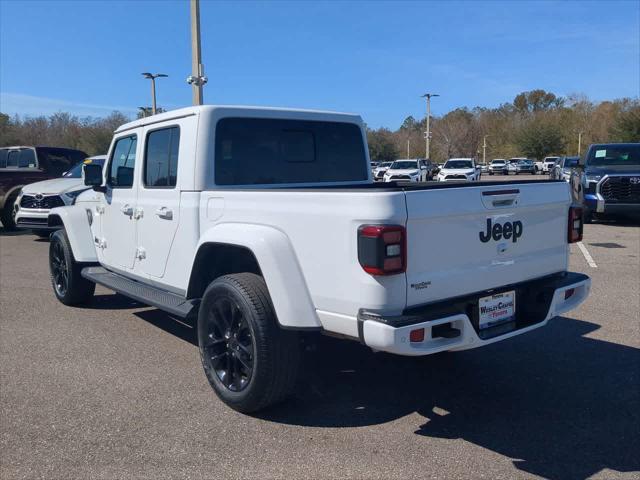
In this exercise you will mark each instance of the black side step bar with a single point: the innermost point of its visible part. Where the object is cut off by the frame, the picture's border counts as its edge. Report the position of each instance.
(169, 302)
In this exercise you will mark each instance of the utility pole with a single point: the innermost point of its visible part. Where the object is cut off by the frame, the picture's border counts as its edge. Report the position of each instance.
(408, 143)
(152, 77)
(484, 149)
(197, 78)
(427, 134)
(579, 142)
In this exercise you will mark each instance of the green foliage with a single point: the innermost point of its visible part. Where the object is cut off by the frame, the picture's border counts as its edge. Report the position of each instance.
(539, 139)
(91, 135)
(627, 126)
(381, 145)
(536, 101)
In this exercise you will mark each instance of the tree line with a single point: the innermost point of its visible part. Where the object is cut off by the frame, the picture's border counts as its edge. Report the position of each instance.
(536, 124)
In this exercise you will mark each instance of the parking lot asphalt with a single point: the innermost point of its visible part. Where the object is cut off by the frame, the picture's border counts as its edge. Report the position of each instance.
(116, 390)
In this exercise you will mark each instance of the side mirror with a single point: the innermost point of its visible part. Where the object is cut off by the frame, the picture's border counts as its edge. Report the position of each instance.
(93, 177)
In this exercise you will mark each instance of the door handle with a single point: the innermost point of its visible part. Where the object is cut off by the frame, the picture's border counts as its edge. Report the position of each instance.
(164, 212)
(127, 209)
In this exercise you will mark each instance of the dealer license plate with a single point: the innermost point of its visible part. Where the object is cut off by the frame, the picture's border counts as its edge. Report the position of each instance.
(498, 308)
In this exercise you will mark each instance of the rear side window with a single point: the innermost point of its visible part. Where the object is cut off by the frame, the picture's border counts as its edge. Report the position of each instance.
(257, 151)
(12, 158)
(161, 158)
(27, 158)
(17, 158)
(123, 161)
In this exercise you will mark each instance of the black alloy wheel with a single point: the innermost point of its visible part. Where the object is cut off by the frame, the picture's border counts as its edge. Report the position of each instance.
(229, 344)
(59, 269)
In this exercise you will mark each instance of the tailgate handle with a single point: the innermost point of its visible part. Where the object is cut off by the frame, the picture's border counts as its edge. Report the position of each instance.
(500, 198)
(503, 203)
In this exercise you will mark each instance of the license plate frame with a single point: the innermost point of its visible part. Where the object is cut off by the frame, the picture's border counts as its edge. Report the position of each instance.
(496, 309)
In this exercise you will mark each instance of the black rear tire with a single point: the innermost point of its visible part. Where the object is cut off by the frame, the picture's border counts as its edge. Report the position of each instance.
(69, 286)
(250, 362)
(7, 215)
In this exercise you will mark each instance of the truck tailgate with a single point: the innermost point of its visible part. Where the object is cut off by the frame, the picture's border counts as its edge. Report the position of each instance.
(474, 238)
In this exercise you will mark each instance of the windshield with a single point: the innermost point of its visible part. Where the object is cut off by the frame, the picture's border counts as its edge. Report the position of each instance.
(404, 165)
(76, 170)
(571, 162)
(525, 162)
(615, 155)
(458, 164)
(384, 165)
(497, 162)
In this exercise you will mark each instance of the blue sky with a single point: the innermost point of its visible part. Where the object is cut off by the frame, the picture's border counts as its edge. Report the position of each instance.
(373, 58)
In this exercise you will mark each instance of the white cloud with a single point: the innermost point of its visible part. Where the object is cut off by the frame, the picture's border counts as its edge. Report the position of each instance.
(29, 105)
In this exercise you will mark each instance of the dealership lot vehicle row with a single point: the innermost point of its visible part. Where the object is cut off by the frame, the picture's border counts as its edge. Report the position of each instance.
(112, 390)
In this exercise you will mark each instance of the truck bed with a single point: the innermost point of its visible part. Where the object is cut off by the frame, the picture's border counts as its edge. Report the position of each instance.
(399, 186)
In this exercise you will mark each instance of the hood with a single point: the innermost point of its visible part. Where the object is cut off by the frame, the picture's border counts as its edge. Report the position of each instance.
(457, 171)
(606, 169)
(57, 185)
(403, 171)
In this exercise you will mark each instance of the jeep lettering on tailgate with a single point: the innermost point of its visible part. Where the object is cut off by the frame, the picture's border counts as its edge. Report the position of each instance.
(505, 230)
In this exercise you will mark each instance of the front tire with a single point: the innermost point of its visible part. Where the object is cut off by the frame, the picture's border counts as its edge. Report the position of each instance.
(8, 213)
(69, 286)
(250, 362)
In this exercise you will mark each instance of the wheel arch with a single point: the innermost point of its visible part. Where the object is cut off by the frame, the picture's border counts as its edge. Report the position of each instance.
(266, 251)
(75, 221)
(8, 194)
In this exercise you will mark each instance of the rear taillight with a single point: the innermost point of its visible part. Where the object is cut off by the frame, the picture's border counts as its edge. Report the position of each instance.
(382, 249)
(574, 233)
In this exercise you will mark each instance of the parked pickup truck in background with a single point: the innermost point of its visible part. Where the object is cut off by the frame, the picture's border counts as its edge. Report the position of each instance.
(20, 166)
(256, 224)
(36, 199)
(608, 179)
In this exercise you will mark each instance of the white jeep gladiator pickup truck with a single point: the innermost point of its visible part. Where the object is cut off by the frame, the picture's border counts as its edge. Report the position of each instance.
(253, 224)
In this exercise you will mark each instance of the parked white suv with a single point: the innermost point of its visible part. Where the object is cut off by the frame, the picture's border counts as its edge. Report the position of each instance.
(35, 200)
(254, 224)
(548, 163)
(406, 171)
(459, 169)
(379, 171)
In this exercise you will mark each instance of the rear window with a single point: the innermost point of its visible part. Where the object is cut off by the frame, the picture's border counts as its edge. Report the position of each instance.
(257, 151)
(17, 158)
(614, 155)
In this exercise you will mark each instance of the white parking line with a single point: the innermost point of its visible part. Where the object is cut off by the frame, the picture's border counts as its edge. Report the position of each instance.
(587, 255)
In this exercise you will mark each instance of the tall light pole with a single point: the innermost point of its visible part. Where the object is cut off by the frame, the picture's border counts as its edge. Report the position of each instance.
(152, 77)
(408, 145)
(427, 134)
(197, 78)
(484, 149)
(579, 142)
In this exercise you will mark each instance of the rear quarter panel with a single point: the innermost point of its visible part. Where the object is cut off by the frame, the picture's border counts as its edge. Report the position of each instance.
(321, 228)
